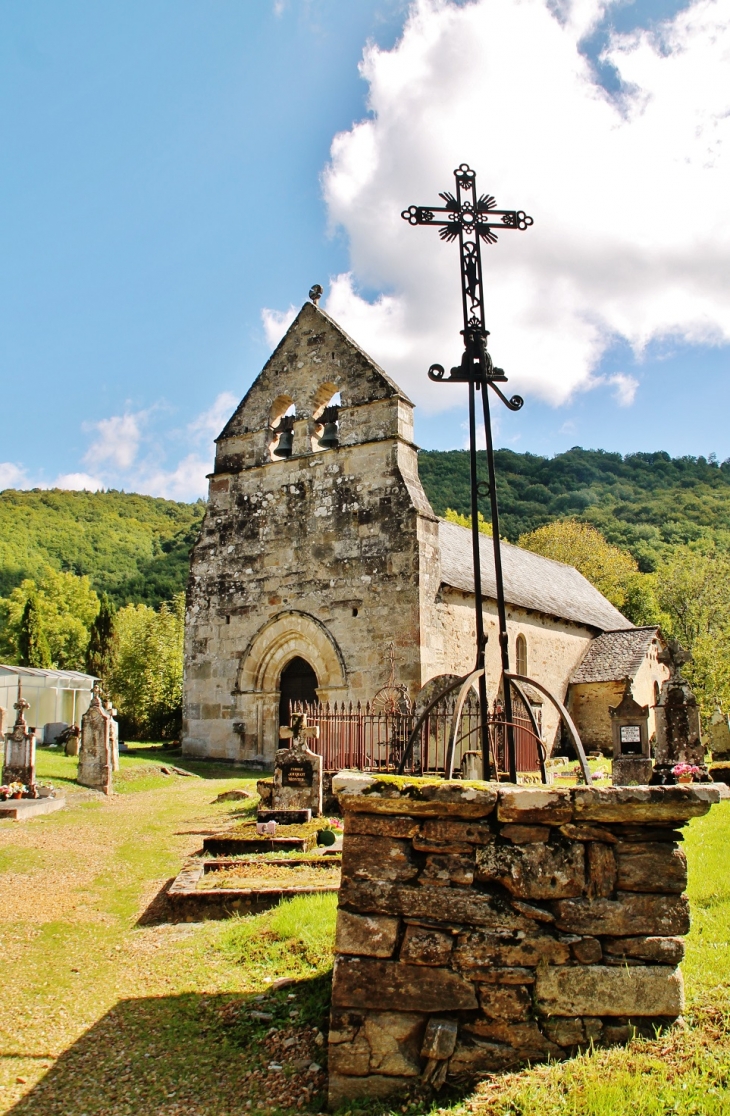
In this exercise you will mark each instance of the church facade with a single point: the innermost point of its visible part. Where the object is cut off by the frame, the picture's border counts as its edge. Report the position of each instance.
(319, 549)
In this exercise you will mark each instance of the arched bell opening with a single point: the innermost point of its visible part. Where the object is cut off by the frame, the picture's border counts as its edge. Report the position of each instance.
(281, 427)
(298, 683)
(325, 415)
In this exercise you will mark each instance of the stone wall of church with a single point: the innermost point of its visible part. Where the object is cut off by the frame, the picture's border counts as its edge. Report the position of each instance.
(590, 701)
(554, 647)
(316, 555)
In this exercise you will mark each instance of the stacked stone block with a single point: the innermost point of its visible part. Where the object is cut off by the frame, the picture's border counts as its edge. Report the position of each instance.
(481, 927)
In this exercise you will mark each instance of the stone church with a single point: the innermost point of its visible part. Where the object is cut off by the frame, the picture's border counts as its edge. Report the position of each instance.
(319, 548)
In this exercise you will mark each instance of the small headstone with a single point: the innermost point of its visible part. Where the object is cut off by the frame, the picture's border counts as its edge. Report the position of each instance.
(718, 735)
(297, 770)
(96, 756)
(19, 757)
(631, 758)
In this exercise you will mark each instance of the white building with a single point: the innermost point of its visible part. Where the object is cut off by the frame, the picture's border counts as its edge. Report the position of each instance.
(57, 698)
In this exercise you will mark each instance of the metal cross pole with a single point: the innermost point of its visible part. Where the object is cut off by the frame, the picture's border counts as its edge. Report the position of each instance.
(472, 218)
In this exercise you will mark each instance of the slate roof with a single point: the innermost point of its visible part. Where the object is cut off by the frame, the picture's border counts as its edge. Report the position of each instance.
(613, 656)
(530, 581)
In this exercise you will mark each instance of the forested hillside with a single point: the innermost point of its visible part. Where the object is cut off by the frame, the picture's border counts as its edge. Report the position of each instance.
(135, 548)
(643, 502)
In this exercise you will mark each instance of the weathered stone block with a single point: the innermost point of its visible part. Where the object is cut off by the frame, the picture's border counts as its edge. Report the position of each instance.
(511, 1002)
(352, 1058)
(666, 951)
(366, 935)
(525, 834)
(510, 975)
(423, 945)
(377, 858)
(588, 833)
(472, 1058)
(629, 914)
(539, 914)
(366, 794)
(526, 1038)
(439, 1040)
(651, 867)
(341, 1088)
(533, 806)
(344, 1025)
(399, 987)
(567, 1033)
(453, 905)
(587, 951)
(601, 870)
(375, 825)
(599, 990)
(394, 1038)
(455, 832)
(443, 871)
(534, 871)
(643, 804)
(478, 950)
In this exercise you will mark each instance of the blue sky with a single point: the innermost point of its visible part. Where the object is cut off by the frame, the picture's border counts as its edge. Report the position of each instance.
(162, 187)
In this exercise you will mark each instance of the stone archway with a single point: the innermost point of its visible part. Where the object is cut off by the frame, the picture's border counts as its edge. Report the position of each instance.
(288, 636)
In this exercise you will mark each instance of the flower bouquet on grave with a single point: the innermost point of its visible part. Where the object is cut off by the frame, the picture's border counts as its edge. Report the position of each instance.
(686, 772)
(12, 790)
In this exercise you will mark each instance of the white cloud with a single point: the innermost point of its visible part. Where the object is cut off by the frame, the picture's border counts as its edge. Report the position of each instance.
(77, 482)
(185, 482)
(626, 388)
(209, 423)
(118, 440)
(277, 322)
(632, 231)
(12, 476)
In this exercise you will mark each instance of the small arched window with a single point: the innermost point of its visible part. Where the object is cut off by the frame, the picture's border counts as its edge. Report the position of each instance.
(521, 655)
(657, 691)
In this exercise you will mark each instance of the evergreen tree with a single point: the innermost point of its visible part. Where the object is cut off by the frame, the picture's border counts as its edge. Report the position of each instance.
(33, 645)
(103, 641)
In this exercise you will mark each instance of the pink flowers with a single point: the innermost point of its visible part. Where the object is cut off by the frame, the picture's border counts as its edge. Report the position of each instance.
(685, 771)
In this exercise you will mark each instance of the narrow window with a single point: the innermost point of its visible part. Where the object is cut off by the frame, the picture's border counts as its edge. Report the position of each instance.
(521, 654)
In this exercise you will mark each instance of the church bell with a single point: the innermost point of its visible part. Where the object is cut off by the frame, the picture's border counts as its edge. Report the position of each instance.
(330, 434)
(285, 443)
(285, 430)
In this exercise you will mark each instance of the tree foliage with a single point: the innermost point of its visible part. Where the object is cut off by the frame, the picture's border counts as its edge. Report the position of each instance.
(60, 608)
(613, 571)
(646, 503)
(33, 649)
(135, 548)
(103, 645)
(146, 679)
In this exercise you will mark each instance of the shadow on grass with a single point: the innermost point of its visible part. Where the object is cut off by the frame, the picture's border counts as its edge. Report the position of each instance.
(170, 1055)
(159, 910)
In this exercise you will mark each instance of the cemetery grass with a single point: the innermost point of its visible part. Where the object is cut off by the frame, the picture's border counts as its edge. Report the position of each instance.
(107, 1010)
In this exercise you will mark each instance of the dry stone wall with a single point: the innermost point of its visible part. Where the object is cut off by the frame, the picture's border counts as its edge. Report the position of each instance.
(481, 927)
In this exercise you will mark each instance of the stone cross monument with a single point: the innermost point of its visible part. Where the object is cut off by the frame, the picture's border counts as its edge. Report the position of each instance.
(631, 757)
(96, 755)
(19, 761)
(297, 772)
(677, 719)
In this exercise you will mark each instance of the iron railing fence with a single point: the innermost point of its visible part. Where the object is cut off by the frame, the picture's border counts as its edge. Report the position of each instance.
(363, 738)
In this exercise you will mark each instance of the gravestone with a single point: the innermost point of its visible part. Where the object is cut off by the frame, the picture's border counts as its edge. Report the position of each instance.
(718, 735)
(96, 761)
(19, 758)
(114, 734)
(678, 737)
(631, 757)
(297, 773)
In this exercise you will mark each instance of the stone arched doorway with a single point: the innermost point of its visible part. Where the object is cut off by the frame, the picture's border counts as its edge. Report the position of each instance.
(298, 683)
(287, 636)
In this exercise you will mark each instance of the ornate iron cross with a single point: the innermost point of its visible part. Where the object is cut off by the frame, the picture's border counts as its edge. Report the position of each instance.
(473, 218)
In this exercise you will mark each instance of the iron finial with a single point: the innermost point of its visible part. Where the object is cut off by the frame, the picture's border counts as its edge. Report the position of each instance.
(315, 293)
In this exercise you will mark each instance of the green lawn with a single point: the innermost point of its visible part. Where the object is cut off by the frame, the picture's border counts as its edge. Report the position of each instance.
(106, 1011)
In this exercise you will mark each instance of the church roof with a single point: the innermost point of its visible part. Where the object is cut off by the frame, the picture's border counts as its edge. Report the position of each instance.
(613, 656)
(530, 581)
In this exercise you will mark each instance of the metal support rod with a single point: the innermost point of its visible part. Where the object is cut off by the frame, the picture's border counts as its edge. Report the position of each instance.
(499, 580)
(478, 603)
